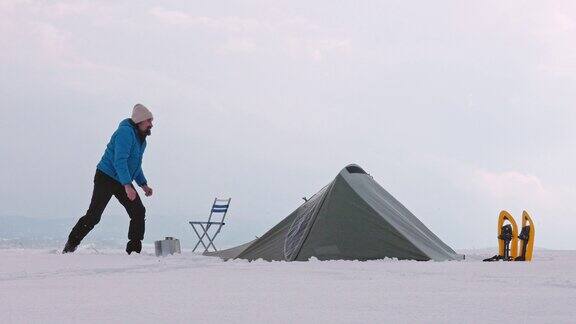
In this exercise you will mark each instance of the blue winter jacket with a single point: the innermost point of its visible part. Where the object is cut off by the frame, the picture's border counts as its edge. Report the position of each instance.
(122, 159)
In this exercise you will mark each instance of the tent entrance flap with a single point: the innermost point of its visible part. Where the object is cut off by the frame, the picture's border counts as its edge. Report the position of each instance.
(302, 224)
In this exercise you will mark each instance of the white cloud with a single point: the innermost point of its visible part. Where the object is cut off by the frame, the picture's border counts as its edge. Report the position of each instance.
(510, 184)
(68, 8)
(527, 189)
(32, 40)
(175, 17)
(317, 49)
(238, 45)
(297, 36)
(181, 18)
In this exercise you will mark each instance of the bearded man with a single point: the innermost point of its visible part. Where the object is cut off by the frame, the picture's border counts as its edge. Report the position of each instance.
(120, 165)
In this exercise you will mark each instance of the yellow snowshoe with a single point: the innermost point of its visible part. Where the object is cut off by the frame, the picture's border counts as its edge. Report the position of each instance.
(507, 238)
(526, 238)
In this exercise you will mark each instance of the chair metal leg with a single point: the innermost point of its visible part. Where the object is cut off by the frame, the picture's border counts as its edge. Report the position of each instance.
(208, 237)
(205, 234)
(211, 239)
(211, 242)
(200, 237)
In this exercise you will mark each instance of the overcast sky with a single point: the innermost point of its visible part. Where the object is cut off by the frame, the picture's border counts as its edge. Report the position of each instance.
(459, 109)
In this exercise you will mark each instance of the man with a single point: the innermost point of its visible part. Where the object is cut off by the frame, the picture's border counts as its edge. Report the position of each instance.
(118, 168)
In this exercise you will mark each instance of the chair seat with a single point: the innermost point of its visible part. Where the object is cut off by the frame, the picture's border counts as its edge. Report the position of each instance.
(212, 223)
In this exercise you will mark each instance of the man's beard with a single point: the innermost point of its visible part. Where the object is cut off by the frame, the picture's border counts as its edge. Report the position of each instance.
(146, 132)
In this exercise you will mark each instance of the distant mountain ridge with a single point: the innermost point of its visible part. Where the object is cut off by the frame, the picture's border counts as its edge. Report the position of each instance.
(18, 227)
(18, 231)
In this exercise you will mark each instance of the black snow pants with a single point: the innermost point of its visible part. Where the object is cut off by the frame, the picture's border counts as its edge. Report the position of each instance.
(104, 188)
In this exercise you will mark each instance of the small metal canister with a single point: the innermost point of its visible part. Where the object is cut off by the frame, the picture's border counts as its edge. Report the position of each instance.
(167, 247)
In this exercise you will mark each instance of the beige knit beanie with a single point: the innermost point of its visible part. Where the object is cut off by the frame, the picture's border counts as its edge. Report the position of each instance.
(140, 113)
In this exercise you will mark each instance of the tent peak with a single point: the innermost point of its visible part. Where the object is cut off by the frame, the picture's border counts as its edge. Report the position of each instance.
(354, 168)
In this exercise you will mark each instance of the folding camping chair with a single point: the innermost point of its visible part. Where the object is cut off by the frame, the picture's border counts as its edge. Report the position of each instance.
(202, 229)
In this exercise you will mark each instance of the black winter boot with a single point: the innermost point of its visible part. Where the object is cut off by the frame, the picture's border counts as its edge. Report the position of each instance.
(133, 246)
(69, 247)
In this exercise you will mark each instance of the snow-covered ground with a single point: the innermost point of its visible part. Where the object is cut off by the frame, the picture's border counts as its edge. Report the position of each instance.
(95, 286)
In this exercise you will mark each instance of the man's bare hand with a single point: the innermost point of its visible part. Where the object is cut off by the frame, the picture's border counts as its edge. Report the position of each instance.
(130, 192)
(147, 190)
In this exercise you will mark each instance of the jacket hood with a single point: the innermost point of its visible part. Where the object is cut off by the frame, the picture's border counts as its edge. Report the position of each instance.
(127, 122)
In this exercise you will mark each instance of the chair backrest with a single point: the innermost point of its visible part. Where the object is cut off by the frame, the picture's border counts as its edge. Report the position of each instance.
(220, 206)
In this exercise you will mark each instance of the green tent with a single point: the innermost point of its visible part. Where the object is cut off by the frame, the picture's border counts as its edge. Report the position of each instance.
(352, 218)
